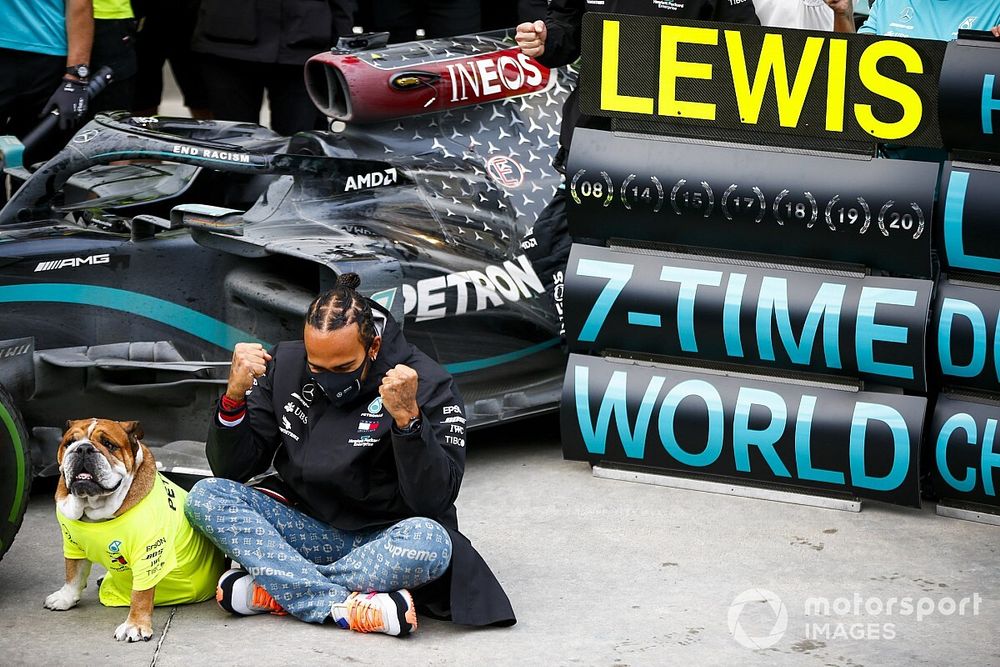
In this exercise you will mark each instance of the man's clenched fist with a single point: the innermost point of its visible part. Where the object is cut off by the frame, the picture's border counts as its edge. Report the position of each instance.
(249, 363)
(399, 394)
(531, 38)
(842, 7)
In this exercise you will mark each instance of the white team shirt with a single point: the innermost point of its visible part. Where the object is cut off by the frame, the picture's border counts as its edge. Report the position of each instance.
(803, 14)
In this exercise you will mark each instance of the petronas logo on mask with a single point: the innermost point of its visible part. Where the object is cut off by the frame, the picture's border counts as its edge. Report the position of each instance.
(376, 405)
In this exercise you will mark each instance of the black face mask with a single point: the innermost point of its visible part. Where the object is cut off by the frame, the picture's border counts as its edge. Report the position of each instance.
(342, 388)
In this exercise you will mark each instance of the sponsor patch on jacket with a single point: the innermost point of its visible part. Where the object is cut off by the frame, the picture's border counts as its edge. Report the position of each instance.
(286, 428)
(365, 426)
(291, 408)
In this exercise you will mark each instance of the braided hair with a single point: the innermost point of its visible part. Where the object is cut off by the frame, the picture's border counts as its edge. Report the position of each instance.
(341, 306)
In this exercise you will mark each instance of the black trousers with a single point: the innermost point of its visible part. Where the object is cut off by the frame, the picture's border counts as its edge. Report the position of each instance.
(114, 46)
(166, 36)
(27, 81)
(439, 18)
(236, 90)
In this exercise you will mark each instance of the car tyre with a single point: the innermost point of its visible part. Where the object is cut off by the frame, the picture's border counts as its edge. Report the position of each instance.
(15, 470)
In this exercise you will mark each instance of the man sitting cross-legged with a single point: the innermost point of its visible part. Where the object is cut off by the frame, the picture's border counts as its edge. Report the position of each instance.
(367, 435)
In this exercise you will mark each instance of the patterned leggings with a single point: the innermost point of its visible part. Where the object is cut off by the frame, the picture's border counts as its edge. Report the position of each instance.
(305, 564)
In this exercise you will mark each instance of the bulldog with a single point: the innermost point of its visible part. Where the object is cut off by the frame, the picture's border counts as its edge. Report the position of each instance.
(116, 510)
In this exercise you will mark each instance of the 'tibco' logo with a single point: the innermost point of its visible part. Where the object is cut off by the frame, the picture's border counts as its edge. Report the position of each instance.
(503, 74)
(506, 171)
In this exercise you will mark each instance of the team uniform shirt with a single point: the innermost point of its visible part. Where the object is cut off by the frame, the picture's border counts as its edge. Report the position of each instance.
(113, 9)
(38, 26)
(930, 19)
(152, 544)
(802, 14)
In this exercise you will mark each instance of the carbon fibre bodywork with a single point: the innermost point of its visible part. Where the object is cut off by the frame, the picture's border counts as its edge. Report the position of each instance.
(134, 260)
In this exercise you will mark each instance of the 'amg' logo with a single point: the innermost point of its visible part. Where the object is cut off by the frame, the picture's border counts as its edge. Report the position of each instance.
(14, 350)
(72, 262)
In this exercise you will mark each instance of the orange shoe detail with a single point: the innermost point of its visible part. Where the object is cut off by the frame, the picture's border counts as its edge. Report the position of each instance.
(264, 600)
(362, 615)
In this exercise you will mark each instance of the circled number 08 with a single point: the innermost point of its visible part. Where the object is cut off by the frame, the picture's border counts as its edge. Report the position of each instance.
(588, 189)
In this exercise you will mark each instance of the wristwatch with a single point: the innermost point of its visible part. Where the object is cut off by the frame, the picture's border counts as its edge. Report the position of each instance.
(412, 427)
(81, 71)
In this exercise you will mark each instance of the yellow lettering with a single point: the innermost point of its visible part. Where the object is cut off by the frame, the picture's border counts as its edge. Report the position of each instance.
(610, 99)
(913, 109)
(672, 69)
(772, 60)
(836, 86)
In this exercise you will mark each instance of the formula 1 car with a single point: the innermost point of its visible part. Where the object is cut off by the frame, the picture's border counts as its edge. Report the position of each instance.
(133, 261)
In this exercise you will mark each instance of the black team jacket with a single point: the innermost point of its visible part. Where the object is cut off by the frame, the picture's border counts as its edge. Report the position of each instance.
(287, 32)
(348, 467)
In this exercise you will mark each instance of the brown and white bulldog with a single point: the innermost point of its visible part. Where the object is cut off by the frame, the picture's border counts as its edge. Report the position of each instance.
(105, 471)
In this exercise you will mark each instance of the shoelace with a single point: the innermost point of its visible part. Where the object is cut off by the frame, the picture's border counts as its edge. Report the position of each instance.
(363, 615)
(263, 600)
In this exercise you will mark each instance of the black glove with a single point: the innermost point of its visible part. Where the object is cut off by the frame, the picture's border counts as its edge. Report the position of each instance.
(69, 102)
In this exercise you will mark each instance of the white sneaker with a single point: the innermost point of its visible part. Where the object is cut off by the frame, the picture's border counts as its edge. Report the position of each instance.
(238, 593)
(390, 613)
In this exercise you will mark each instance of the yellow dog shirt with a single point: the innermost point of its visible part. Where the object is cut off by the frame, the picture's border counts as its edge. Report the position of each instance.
(151, 544)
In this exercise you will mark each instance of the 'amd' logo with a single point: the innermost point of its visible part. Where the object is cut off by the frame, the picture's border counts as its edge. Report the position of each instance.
(372, 180)
(72, 262)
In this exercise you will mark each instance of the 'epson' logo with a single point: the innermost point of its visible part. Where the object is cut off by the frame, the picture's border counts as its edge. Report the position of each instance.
(72, 262)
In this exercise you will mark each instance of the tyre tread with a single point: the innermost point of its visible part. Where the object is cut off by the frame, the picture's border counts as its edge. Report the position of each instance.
(9, 472)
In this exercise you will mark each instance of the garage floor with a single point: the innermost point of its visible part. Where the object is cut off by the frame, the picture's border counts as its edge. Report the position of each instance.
(600, 572)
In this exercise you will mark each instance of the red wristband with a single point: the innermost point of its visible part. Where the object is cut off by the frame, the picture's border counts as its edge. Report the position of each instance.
(231, 412)
(231, 405)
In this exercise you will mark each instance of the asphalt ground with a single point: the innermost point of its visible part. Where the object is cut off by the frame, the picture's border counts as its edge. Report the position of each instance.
(600, 572)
